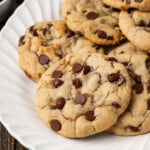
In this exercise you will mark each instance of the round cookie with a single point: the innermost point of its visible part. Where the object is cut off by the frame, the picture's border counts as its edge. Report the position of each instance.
(143, 5)
(136, 119)
(45, 43)
(135, 26)
(96, 21)
(83, 95)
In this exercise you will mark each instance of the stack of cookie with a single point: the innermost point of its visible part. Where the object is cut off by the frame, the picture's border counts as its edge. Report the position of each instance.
(82, 90)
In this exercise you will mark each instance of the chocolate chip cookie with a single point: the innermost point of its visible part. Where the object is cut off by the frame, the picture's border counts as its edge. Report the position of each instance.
(143, 5)
(96, 21)
(136, 119)
(83, 94)
(135, 25)
(45, 43)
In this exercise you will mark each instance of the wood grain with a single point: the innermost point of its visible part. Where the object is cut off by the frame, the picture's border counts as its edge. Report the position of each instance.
(7, 142)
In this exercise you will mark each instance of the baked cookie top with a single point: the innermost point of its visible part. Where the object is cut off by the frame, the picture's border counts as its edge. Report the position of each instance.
(143, 5)
(83, 95)
(135, 25)
(45, 43)
(126, 48)
(96, 21)
(136, 119)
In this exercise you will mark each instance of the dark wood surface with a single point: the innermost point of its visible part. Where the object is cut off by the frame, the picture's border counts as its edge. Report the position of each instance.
(7, 142)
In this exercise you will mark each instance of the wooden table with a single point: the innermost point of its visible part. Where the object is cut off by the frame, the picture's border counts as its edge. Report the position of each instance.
(7, 142)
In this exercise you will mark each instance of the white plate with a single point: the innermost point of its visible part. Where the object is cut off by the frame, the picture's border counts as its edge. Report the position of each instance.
(17, 111)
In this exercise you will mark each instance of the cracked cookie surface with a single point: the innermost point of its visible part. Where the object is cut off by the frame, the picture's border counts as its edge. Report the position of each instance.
(136, 119)
(96, 21)
(135, 25)
(45, 43)
(143, 5)
(83, 95)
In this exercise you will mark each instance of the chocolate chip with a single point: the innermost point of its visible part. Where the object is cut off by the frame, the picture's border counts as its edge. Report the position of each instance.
(138, 88)
(55, 125)
(127, 64)
(60, 102)
(33, 31)
(53, 107)
(116, 105)
(97, 46)
(110, 37)
(22, 40)
(80, 99)
(50, 25)
(57, 74)
(90, 116)
(57, 83)
(44, 30)
(79, 33)
(148, 103)
(70, 33)
(138, 1)
(134, 129)
(113, 77)
(148, 86)
(121, 80)
(101, 34)
(77, 83)
(141, 23)
(137, 79)
(92, 15)
(147, 62)
(112, 59)
(77, 68)
(43, 59)
(86, 69)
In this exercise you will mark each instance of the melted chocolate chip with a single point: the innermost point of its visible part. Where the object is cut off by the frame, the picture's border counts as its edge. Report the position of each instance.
(147, 62)
(138, 88)
(134, 129)
(148, 104)
(53, 107)
(79, 33)
(44, 30)
(92, 15)
(137, 79)
(101, 34)
(60, 102)
(22, 41)
(33, 31)
(80, 99)
(148, 86)
(116, 105)
(97, 46)
(77, 68)
(57, 74)
(55, 125)
(57, 83)
(141, 23)
(113, 77)
(86, 69)
(70, 33)
(110, 37)
(77, 83)
(43, 59)
(112, 59)
(90, 116)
